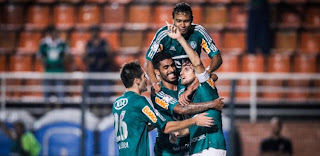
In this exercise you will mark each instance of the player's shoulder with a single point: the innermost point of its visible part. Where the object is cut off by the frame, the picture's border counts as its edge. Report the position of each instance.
(161, 32)
(199, 29)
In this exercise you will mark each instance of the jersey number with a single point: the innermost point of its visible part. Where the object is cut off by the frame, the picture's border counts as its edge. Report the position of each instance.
(120, 126)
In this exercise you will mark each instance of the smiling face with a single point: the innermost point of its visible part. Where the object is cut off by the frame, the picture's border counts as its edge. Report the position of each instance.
(167, 71)
(187, 74)
(182, 20)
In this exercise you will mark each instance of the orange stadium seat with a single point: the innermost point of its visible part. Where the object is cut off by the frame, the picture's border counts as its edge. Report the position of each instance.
(139, 16)
(215, 17)
(120, 59)
(217, 38)
(234, 42)
(13, 16)
(79, 41)
(29, 42)
(169, 1)
(312, 17)
(238, 17)
(70, 1)
(310, 42)
(38, 65)
(219, 1)
(290, 19)
(3, 63)
(148, 39)
(39, 17)
(120, 1)
(88, 15)
(162, 13)
(113, 16)
(285, 42)
(113, 39)
(96, 1)
(45, 1)
(143, 61)
(197, 11)
(7, 41)
(277, 63)
(78, 63)
(64, 16)
(131, 41)
(20, 63)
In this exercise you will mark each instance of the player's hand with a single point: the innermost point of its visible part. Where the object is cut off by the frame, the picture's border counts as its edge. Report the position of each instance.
(218, 104)
(214, 77)
(173, 31)
(183, 98)
(173, 137)
(203, 120)
(156, 86)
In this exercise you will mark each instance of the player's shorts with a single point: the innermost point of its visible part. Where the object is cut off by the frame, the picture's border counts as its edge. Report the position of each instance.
(211, 152)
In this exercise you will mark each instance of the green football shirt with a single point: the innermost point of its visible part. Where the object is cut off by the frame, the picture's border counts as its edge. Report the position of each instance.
(164, 101)
(205, 137)
(198, 39)
(132, 113)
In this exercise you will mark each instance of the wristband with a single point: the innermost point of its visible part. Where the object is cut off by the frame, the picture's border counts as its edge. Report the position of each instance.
(203, 77)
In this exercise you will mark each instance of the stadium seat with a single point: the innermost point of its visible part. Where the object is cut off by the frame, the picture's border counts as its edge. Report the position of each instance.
(312, 17)
(120, 59)
(309, 42)
(107, 139)
(19, 63)
(78, 63)
(39, 17)
(148, 39)
(234, 42)
(3, 63)
(45, 1)
(219, 1)
(59, 133)
(131, 41)
(64, 16)
(7, 41)
(88, 15)
(96, 1)
(113, 39)
(79, 41)
(215, 17)
(197, 11)
(162, 13)
(29, 42)
(113, 16)
(217, 38)
(13, 16)
(38, 65)
(139, 17)
(289, 19)
(285, 42)
(238, 17)
(120, 1)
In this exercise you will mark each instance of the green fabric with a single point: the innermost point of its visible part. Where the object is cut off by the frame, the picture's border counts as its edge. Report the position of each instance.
(199, 39)
(202, 137)
(26, 146)
(131, 120)
(166, 101)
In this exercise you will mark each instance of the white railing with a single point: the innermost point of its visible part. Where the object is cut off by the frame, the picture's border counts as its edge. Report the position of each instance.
(253, 88)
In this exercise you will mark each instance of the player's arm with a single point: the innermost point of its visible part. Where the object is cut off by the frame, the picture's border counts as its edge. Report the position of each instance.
(194, 108)
(152, 76)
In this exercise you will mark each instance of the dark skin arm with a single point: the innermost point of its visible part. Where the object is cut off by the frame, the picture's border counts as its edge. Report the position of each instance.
(194, 108)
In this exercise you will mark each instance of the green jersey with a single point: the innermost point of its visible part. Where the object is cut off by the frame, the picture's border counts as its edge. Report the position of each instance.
(203, 137)
(165, 101)
(198, 39)
(132, 113)
(53, 53)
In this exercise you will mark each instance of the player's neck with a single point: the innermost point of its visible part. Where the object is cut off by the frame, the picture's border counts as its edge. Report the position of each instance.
(134, 89)
(169, 85)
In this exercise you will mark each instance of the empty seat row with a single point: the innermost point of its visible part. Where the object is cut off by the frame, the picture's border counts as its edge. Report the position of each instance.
(141, 16)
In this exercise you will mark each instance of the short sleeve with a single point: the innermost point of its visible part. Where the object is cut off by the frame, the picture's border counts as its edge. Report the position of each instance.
(207, 42)
(155, 44)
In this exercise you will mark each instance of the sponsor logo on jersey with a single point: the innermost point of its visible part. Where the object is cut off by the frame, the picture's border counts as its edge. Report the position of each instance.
(155, 46)
(193, 44)
(211, 83)
(119, 104)
(204, 45)
(162, 103)
(149, 113)
(172, 48)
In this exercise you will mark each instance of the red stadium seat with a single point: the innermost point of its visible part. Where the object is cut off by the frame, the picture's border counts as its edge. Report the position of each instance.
(290, 19)
(139, 17)
(131, 41)
(7, 41)
(64, 16)
(217, 38)
(120, 1)
(285, 42)
(29, 42)
(238, 17)
(20, 63)
(197, 11)
(38, 65)
(39, 17)
(312, 17)
(88, 15)
(13, 16)
(215, 17)
(162, 13)
(234, 42)
(3, 63)
(79, 41)
(113, 39)
(148, 39)
(113, 16)
(309, 42)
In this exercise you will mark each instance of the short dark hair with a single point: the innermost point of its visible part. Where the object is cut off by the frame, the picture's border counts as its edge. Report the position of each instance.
(158, 57)
(129, 72)
(182, 7)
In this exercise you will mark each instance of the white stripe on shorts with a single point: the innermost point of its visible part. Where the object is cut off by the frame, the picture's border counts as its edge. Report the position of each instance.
(211, 152)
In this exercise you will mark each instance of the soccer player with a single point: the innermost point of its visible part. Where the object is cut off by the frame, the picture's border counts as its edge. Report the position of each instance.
(195, 35)
(132, 113)
(166, 101)
(203, 140)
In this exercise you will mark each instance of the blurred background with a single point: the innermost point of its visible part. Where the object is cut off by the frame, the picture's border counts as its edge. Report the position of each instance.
(271, 67)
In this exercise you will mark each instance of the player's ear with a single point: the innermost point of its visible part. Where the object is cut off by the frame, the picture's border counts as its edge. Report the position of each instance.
(137, 81)
(157, 72)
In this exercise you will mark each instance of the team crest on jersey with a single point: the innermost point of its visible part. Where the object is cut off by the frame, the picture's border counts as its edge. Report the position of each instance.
(149, 113)
(193, 44)
(162, 103)
(119, 104)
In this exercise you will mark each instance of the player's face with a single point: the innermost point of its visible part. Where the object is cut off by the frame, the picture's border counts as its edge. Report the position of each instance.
(143, 83)
(187, 74)
(182, 21)
(168, 70)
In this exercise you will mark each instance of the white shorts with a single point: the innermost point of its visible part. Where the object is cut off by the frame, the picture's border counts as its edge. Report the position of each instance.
(211, 152)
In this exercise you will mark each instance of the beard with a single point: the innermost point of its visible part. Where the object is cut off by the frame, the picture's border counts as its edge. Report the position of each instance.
(165, 78)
